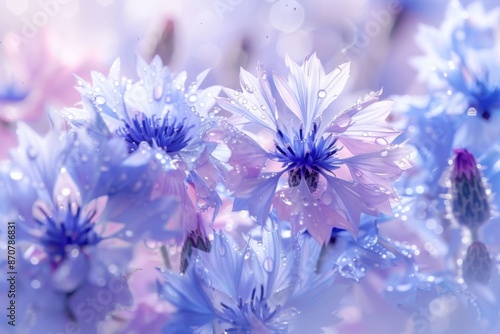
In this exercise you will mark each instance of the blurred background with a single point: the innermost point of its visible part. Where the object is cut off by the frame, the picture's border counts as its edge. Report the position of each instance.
(44, 42)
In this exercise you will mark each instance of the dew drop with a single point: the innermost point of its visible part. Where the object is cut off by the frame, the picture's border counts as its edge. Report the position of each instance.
(222, 249)
(32, 152)
(193, 98)
(365, 134)
(16, 175)
(158, 92)
(268, 264)
(207, 281)
(327, 198)
(384, 153)
(321, 93)
(35, 284)
(100, 100)
(471, 112)
(202, 204)
(381, 141)
(151, 244)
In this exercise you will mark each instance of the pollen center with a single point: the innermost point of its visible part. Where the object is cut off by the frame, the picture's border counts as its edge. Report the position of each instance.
(73, 229)
(169, 134)
(306, 156)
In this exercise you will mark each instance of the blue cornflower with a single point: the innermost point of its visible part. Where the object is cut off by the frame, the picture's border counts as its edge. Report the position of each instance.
(460, 63)
(160, 115)
(79, 212)
(263, 287)
(72, 229)
(338, 163)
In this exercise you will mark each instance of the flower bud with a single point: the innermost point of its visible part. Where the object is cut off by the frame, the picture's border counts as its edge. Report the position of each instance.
(469, 202)
(477, 264)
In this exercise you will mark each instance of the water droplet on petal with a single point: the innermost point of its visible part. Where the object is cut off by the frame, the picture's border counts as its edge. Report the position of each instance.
(35, 284)
(268, 264)
(222, 249)
(32, 152)
(471, 112)
(327, 198)
(100, 100)
(158, 92)
(381, 141)
(321, 93)
(16, 175)
(151, 244)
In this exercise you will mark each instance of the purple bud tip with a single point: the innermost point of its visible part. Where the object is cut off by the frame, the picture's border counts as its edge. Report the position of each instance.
(464, 164)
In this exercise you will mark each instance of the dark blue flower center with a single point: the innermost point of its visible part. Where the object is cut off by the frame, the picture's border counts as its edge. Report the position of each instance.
(484, 100)
(169, 134)
(257, 307)
(73, 230)
(306, 156)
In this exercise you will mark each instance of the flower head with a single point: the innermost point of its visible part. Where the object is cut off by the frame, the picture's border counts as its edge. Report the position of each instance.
(161, 116)
(69, 229)
(264, 287)
(460, 64)
(79, 212)
(338, 164)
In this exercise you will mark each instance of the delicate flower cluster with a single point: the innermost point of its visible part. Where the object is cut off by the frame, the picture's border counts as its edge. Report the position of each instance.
(160, 204)
(145, 160)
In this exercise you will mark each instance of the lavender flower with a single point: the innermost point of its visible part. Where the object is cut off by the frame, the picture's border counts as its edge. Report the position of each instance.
(264, 287)
(337, 164)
